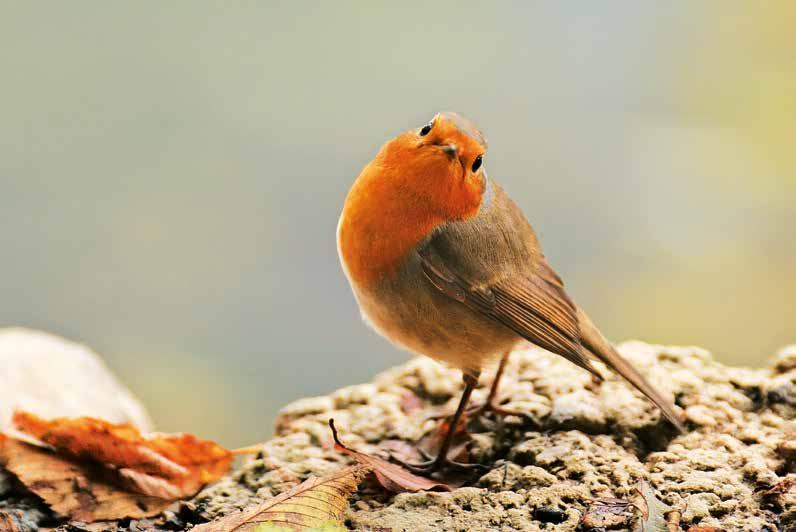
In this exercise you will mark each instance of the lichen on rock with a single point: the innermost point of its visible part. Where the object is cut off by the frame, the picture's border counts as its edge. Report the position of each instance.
(583, 441)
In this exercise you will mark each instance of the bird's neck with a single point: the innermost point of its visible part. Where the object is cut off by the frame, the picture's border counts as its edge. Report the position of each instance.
(380, 225)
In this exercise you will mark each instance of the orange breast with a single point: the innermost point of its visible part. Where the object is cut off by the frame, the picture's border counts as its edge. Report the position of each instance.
(395, 203)
(378, 227)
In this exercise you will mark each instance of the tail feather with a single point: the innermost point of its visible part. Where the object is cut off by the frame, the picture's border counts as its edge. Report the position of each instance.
(593, 340)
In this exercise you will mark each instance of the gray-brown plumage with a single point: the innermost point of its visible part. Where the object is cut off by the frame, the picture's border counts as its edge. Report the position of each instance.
(493, 265)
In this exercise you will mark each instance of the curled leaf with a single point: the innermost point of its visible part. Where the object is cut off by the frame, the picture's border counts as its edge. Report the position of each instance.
(391, 476)
(80, 491)
(316, 503)
(168, 466)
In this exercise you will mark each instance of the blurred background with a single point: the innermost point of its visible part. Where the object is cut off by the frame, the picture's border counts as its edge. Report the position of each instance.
(171, 176)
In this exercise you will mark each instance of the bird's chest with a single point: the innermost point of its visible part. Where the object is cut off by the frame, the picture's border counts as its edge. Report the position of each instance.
(409, 311)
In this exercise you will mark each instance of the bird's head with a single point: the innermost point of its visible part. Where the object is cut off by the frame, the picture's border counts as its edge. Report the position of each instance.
(419, 181)
(439, 166)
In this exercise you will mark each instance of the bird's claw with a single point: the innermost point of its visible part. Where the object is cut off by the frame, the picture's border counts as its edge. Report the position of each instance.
(424, 454)
(479, 410)
(492, 406)
(432, 465)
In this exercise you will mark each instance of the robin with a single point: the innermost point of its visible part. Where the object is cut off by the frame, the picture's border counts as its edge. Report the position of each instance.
(443, 263)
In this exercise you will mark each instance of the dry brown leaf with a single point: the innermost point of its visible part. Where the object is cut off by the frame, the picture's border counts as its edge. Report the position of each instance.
(653, 510)
(77, 490)
(317, 503)
(654, 514)
(605, 513)
(391, 476)
(168, 466)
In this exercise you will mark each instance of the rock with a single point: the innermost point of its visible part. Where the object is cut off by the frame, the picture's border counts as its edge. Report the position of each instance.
(585, 441)
(53, 377)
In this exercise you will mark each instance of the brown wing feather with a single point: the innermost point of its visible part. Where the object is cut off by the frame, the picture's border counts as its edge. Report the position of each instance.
(492, 263)
(543, 314)
(593, 340)
(531, 307)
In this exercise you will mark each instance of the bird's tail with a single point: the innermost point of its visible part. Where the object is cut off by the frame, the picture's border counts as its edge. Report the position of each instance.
(593, 340)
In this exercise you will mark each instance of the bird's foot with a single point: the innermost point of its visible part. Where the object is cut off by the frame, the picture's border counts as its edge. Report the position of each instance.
(431, 465)
(493, 406)
(478, 411)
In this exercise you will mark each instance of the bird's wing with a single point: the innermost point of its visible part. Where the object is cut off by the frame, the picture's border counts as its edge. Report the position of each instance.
(534, 305)
(492, 263)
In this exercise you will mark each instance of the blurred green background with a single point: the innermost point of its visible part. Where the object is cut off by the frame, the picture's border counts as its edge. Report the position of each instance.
(171, 176)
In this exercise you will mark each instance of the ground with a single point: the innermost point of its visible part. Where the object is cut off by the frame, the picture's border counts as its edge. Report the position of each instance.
(583, 441)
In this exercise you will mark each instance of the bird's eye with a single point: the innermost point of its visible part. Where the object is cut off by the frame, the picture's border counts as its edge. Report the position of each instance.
(425, 130)
(477, 163)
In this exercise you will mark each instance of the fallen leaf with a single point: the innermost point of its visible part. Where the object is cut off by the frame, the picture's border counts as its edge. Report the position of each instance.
(8, 523)
(168, 466)
(391, 476)
(401, 448)
(653, 510)
(604, 513)
(703, 529)
(316, 503)
(656, 516)
(77, 490)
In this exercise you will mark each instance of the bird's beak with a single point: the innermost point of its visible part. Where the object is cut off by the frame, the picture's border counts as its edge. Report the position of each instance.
(451, 149)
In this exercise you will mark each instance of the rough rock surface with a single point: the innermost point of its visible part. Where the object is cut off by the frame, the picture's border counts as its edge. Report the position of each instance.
(51, 377)
(583, 441)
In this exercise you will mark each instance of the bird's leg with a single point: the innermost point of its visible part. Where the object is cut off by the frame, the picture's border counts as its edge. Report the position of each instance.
(492, 397)
(492, 403)
(470, 382)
